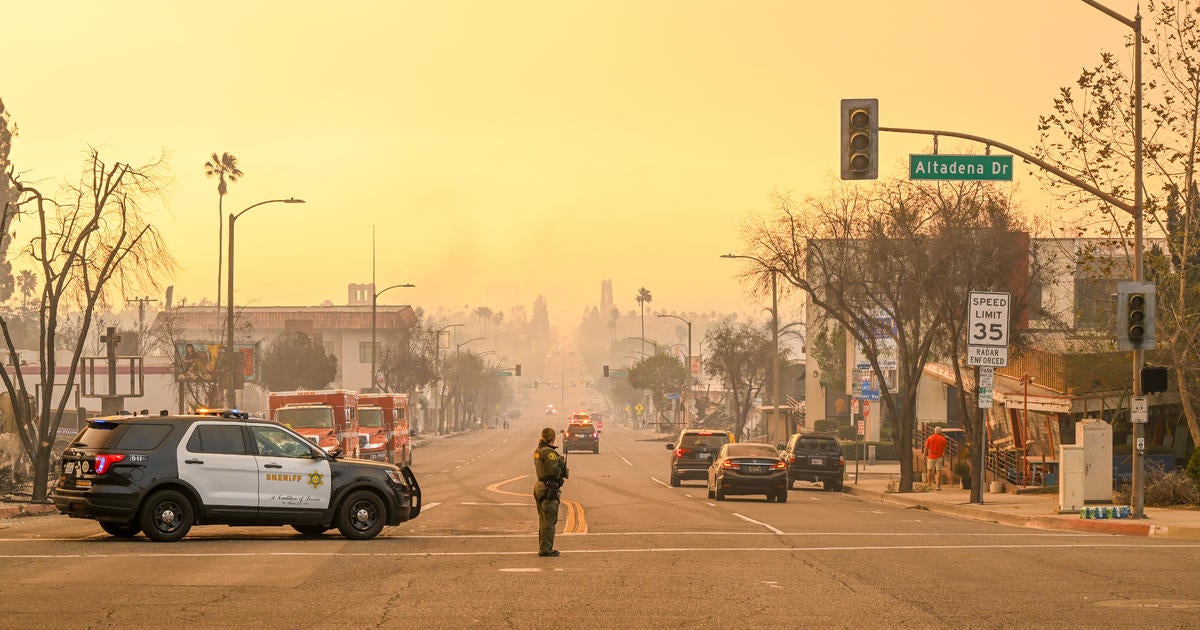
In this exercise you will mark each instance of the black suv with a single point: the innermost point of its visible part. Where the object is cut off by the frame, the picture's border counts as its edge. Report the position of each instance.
(693, 452)
(581, 436)
(161, 475)
(814, 457)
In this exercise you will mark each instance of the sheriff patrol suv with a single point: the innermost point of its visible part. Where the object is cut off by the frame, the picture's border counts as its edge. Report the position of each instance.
(161, 475)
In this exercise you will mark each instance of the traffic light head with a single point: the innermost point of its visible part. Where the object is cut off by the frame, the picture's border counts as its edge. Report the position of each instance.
(1136, 320)
(1135, 316)
(606, 371)
(517, 371)
(860, 138)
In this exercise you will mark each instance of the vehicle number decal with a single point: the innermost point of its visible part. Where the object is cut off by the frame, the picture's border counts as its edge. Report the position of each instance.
(68, 468)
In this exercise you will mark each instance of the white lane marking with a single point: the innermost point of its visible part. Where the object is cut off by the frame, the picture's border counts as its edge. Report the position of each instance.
(750, 520)
(710, 503)
(528, 570)
(771, 584)
(527, 504)
(429, 506)
(659, 482)
(688, 495)
(400, 534)
(618, 454)
(567, 552)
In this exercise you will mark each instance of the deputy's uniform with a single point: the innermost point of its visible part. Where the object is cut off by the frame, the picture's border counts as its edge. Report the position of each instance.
(549, 465)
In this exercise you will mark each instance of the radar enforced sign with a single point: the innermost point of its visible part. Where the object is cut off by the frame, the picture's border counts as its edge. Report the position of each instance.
(987, 329)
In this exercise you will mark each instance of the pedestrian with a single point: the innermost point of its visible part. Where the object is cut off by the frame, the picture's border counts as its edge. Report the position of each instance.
(935, 451)
(551, 470)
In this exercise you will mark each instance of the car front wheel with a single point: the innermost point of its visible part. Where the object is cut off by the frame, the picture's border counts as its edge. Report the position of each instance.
(362, 516)
(166, 516)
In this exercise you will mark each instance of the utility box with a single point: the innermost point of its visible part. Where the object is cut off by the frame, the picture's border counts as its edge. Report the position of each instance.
(1070, 477)
(1096, 438)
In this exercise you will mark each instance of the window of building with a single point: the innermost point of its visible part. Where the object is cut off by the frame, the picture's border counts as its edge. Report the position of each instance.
(364, 352)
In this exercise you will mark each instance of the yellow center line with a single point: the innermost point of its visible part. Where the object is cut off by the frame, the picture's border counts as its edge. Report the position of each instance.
(576, 520)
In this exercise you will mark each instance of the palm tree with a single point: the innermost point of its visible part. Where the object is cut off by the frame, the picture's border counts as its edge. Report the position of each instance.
(26, 283)
(225, 168)
(644, 296)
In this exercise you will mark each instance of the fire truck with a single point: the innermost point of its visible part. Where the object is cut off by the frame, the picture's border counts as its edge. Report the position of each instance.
(327, 417)
(384, 417)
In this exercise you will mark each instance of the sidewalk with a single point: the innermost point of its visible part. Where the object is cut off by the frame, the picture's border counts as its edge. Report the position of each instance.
(1019, 510)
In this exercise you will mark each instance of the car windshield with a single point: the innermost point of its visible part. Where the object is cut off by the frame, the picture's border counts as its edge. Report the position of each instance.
(818, 444)
(305, 417)
(752, 450)
(371, 417)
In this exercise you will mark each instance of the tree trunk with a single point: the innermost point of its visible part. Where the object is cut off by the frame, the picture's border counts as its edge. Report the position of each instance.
(41, 475)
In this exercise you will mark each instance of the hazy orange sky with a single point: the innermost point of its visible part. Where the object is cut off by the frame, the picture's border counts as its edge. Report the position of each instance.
(508, 149)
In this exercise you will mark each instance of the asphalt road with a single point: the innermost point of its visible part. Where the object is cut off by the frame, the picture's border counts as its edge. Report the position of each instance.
(636, 554)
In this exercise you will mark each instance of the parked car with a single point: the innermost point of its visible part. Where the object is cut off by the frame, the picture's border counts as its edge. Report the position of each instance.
(815, 457)
(693, 451)
(748, 468)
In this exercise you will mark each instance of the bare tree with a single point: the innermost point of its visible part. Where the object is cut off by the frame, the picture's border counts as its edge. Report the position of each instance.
(1089, 134)
(739, 355)
(868, 258)
(93, 244)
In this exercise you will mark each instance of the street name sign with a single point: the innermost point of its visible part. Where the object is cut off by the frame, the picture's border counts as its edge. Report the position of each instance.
(987, 328)
(961, 167)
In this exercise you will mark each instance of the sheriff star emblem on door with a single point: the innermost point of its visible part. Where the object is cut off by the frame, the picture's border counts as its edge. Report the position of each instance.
(315, 479)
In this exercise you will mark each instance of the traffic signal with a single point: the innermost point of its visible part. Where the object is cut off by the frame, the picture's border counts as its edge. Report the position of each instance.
(518, 370)
(1135, 315)
(860, 138)
(1154, 379)
(1135, 324)
(606, 371)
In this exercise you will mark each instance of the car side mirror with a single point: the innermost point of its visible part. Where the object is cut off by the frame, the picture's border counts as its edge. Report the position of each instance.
(780, 446)
(670, 447)
(335, 453)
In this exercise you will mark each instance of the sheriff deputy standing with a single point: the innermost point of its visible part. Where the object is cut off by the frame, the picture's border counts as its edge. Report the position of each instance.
(551, 470)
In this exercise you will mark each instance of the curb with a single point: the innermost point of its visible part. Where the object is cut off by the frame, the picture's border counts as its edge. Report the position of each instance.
(1101, 526)
(13, 510)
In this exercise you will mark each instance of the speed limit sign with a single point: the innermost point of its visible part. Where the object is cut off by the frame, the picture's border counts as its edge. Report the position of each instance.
(987, 328)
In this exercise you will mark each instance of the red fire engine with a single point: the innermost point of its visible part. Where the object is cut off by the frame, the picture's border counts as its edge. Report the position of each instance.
(327, 417)
(384, 417)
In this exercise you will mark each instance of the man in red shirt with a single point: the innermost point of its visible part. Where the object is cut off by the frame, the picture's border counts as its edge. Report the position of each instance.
(935, 451)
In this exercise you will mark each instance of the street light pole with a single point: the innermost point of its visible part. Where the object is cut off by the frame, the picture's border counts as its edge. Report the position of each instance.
(235, 371)
(374, 307)
(1139, 357)
(687, 364)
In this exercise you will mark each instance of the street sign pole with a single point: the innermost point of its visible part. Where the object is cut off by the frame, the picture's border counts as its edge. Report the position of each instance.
(988, 315)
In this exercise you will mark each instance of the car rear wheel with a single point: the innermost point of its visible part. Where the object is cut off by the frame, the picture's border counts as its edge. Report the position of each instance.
(595, 450)
(711, 494)
(675, 483)
(782, 496)
(834, 486)
(310, 530)
(166, 516)
(362, 516)
(719, 494)
(121, 530)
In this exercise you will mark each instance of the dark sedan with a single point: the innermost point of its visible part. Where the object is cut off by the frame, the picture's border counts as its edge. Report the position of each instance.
(748, 468)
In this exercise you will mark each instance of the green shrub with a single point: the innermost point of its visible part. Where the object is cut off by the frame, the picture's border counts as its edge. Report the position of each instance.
(827, 425)
(1193, 466)
(1164, 489)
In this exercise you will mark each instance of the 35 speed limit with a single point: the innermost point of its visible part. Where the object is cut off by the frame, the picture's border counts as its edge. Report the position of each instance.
(987, 321)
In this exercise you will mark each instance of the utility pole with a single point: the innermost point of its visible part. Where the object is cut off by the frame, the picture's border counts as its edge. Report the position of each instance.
(141, 302)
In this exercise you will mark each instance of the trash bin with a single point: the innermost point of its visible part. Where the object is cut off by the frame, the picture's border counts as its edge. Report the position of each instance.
(871, 454)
